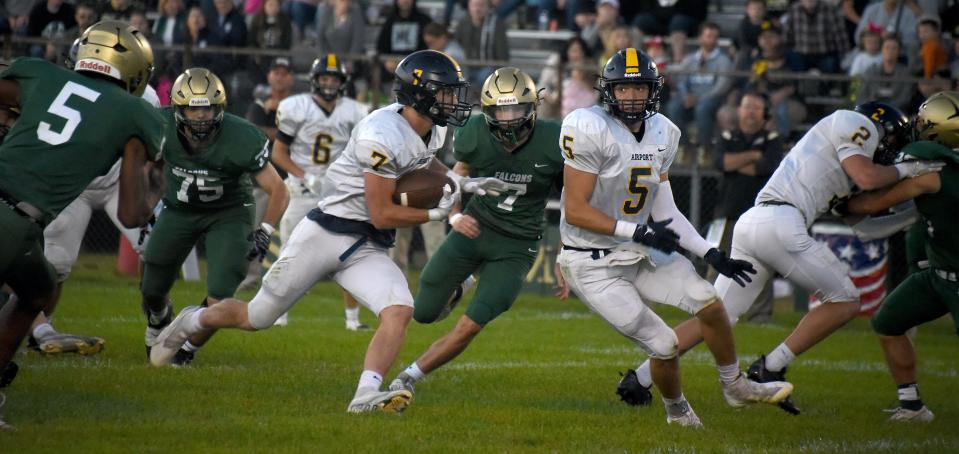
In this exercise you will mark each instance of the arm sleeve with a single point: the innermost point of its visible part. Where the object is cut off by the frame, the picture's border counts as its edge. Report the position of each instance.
(375, 158)
(664, 207)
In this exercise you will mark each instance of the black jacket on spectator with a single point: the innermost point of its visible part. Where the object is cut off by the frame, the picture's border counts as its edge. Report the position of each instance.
(227, 31)
(738, 190)
(40, 18)
(402, 35)
(265, 34)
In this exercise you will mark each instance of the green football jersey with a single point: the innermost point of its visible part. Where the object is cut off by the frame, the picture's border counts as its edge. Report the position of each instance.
(72, 129)
(941, 209)
(531, 171)
(219, 175)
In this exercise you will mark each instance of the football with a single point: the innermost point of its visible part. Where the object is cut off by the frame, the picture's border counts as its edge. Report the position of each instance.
(421, 188)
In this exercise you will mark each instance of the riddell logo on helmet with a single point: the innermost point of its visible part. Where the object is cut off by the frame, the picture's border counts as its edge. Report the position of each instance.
(632, 75)
(199, 102)
(97, 66)
(506, 101)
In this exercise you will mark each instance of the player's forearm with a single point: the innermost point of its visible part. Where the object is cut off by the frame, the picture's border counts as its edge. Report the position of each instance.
(585, 216)
(393, 216)
(278, 200)
(735, 161)
(908, 189)
(281, 158)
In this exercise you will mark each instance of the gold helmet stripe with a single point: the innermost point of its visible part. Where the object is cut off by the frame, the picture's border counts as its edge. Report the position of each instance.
(459, 71)
(632, 61)
(331, 61)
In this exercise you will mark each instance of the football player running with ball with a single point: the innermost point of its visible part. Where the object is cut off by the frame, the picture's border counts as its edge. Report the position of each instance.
(209, 157)
(499, 232)
(617, 207)
(348, 235)
(73, 126)
(847, 151)
(312, 130)
(933, 292)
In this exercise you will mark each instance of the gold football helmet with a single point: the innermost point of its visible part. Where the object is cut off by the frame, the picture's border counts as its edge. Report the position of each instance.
(117, 50)
(199, 102)
(509, 99)
(938, 119)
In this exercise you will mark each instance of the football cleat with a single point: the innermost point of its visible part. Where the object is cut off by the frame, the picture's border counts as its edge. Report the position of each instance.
(283, 320)
(172, 338)
(683, 415)
(743, 391)
(155, 325)
(182, 358)
(901, 414)
(357, 326)
(457, 296)
(403, 382)
(758, 373)
(373, 400)
(70, 343)
(632, 392)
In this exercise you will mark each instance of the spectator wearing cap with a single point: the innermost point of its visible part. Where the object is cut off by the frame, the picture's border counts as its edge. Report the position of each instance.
(869, 52)
(677, 18)
(747, 38)
(483, 35)
(895, 93)
(271, 28)
(169, 27)
(931, 51)
(596, 31)
(813, 30)
(772, 57)
(700, 90)
(438, 37)
(893, 16)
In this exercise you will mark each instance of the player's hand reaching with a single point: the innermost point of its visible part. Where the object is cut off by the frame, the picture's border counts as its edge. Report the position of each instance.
(562, 287)
(261, 242)
(465, 224)
(484, 185)
(449, 200)
(657, 235)
(310, 183)
(914, 168)
(732, 268)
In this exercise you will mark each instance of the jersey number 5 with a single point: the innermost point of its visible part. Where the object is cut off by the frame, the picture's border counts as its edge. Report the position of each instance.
(72, 116)
(568, 147)
(321, 148)
(631, 206)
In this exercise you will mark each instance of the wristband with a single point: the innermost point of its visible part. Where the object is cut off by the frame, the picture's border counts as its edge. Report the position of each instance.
(269, 229)
(624, 230)
(455, 217)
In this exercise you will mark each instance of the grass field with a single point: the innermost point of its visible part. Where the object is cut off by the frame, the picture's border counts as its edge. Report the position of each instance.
(539, 379)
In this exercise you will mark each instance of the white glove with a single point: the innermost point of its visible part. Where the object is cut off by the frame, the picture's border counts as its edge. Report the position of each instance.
(485, 185)
(450, 199)
(912, 169)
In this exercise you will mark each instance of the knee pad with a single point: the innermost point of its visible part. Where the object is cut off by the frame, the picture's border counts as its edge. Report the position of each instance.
(656, 339)
(264, 309)
(61, 261)
(664, 345)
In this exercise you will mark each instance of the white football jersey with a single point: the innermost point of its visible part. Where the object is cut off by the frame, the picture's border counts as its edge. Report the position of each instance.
(384, 144)
(811, 176)
(113, 175)
(627, 172)
(318, 137)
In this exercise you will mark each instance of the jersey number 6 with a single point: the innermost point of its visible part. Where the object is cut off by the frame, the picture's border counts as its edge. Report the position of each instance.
(321, 148)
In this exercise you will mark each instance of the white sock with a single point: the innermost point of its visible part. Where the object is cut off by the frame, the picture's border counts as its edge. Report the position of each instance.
(728, 373)
(414, 372)
(370, 379)
(193, 324)
(677, 406)
(43, 329)
(190, 347)
(781, 357)
(353, 315)
(643, 374)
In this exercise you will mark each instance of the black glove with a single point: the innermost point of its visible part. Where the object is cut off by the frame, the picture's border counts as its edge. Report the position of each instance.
(657, 235)
(731, 268)
(261, 244)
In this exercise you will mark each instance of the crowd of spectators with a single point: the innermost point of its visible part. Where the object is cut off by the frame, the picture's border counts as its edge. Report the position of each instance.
(899, 39)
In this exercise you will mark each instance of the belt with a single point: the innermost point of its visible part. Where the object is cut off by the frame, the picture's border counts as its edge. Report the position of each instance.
(596, 253)
(774, 203)
(947, 275)
(32, 213)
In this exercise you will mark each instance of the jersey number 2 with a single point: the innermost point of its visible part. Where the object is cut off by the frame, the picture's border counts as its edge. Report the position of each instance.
(631, 206)
(60, 109)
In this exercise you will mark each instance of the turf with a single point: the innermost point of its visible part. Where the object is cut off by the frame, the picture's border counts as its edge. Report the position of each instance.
(539, 379)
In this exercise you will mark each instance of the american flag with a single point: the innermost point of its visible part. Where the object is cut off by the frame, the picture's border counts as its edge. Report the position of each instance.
(866, 260)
